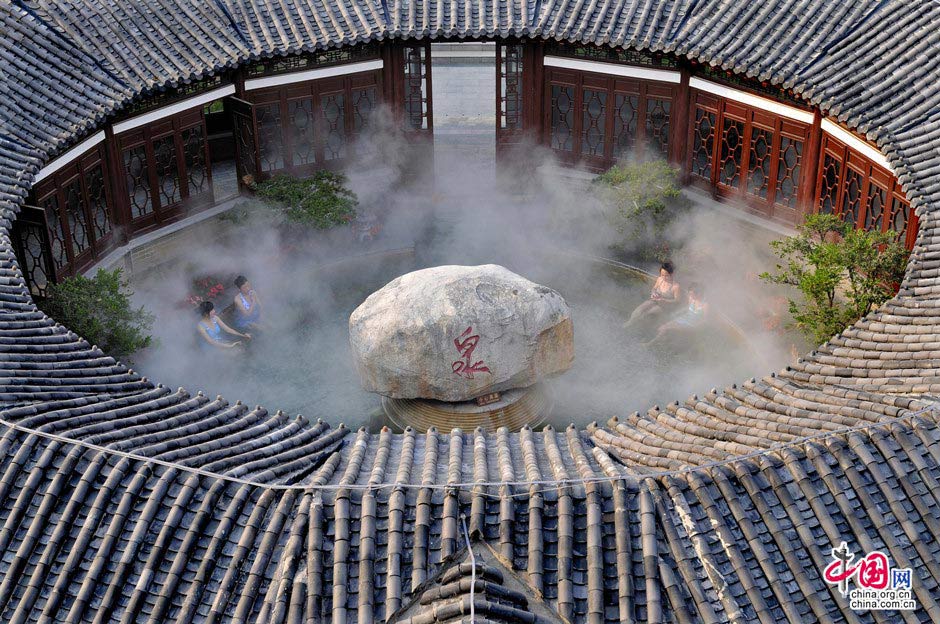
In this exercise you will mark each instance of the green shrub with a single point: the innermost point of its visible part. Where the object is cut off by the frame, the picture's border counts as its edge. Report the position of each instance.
(842, 273)
(646, 197)
(321, 201)
(99, 310)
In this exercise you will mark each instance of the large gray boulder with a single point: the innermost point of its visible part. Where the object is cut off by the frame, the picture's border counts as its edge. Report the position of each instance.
(454, 333)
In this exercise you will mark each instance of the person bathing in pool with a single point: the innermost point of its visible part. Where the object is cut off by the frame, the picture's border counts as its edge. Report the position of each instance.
(212, 330)
(692, 318)
(247, 306)
(663, 297)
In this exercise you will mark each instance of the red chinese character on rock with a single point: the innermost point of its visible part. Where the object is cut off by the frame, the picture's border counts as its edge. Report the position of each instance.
(465, 344)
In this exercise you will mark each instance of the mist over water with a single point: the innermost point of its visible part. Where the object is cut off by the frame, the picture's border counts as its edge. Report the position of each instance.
(526, 217)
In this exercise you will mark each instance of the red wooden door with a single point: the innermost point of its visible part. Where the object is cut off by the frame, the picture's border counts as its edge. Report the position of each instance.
(246, 140)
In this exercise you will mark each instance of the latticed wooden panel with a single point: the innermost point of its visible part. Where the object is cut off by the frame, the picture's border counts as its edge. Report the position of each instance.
(168, 183)
(302, 131)
(57, 239)
(30, 240)
(510, 99)
(657, 126)
(703, 143)
(759, 162)
(829, 184)
(138, 181)
(334, 125)
(363, 104)
(98, 202)
(593, 122)
(732, 147)
(852, 197)
(875, 208)
(416, 91)
(194, 154)
(900, 217)
(75, 217)
(626, 109)
(788, 171)
(270, 138)
(562, 126)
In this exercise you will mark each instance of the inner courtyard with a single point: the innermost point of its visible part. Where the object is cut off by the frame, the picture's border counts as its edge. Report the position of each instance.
(469, 312)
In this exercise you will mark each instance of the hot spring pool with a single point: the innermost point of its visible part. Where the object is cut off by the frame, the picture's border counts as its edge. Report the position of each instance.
(302, 363)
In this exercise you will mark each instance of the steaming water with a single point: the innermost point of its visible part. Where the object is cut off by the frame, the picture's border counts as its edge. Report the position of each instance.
(463, 211)
(303, 363)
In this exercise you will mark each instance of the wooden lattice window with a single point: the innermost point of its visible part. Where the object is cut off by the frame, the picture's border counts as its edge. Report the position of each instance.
(703, 143)
(98, 199)
(308, 125)
(138, 181)
(862, 193)
(75, 217)
(194, 153)
(57, 236)
(729, 162)
(510, 95)
(31, 248)
(875, 208)
(760, 161)
(852, 196)
(601, 118)
(626, 108)
(334, 125)
(750, 153)
(363, 104)
(417, 115)
(788, 171)
(74, 202)
(167, 169)
(562, 126)
(302, 131)
(829, 184)
(166, 166)
(900, 219)
(657, 126)
(593, 120)
(270, 137)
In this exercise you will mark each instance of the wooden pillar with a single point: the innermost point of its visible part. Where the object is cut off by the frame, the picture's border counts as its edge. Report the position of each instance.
(392, 79)
(810, 166)
(681, 124)
(117, 179)
(533, 80)
(238, 80)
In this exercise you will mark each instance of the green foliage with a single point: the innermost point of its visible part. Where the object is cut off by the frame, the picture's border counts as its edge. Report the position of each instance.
(236, 215)
(843, 273)
(321, 201)
(99, 310)
(646, 197)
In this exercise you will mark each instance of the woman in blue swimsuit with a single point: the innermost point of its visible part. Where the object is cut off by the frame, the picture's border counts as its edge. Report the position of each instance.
(212, 330)
(247, 306)
(692, 317)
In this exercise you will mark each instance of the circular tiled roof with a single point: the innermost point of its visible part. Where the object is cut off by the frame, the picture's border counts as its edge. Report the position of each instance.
(124, 500)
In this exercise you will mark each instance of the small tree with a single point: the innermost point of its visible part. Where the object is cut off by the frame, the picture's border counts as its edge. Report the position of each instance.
(842, 272)
(646, 197)
(321, 201)
(99, 310)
